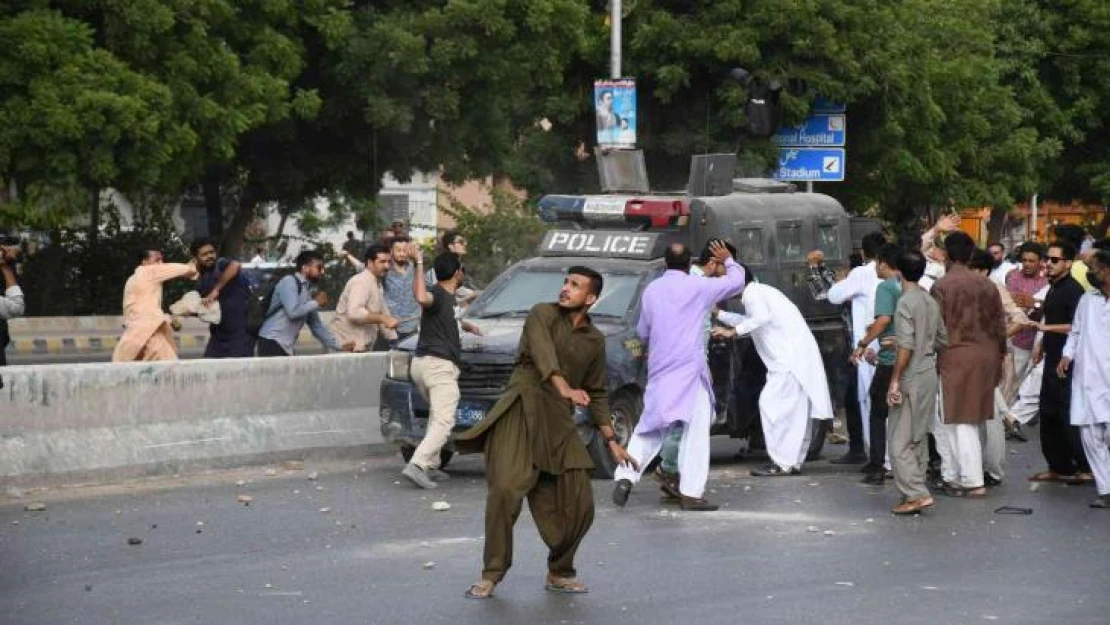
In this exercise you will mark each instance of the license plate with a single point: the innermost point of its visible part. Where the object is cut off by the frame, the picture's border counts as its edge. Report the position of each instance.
(469, 414)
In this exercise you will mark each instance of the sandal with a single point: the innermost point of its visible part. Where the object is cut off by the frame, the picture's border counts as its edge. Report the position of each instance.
(565, 585)
(1079, 479)
(1047, 476)
(951, 490)
(481, 590)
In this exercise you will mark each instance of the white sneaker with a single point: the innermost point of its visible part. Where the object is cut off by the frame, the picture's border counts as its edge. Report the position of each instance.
(417, 476)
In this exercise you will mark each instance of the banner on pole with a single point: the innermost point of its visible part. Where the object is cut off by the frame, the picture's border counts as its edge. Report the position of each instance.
(615, 109)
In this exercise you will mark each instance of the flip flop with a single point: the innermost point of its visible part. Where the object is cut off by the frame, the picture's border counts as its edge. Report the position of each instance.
(480, 590)
(566, 585)
(1047, 476)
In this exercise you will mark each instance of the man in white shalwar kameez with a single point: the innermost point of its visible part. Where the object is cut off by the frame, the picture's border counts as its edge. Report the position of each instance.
(797, 391)
(1088, 351)
(859, 288)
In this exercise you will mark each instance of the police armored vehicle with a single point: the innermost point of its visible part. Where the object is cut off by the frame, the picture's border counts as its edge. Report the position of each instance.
(623, 236)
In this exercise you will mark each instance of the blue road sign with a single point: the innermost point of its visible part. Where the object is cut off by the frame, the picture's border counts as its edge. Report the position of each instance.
(822, 105)
(822, 130)
(812, 164)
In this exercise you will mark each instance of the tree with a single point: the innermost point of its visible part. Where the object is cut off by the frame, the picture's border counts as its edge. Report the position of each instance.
(505, 232)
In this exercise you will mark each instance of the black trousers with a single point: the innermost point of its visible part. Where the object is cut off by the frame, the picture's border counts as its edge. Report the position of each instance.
(268, 348)
(879, 410)
(1060, 441)
(852, 413)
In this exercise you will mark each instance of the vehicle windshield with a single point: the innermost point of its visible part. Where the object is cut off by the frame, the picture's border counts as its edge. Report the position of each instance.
(525, 289)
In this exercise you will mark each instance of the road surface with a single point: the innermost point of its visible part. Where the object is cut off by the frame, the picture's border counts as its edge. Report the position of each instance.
(359, 546)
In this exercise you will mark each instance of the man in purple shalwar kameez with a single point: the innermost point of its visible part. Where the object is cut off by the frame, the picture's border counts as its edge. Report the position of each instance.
(679, 387)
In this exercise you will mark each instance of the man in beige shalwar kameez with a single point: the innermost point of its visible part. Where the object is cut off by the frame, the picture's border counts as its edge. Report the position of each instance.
(147, 334)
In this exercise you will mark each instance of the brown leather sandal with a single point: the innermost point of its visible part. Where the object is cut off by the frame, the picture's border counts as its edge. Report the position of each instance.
(480, 590)
(566, 585)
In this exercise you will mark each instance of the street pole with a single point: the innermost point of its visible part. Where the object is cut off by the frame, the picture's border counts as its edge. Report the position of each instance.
(1033, 234)
(615, 39)
(809, 186)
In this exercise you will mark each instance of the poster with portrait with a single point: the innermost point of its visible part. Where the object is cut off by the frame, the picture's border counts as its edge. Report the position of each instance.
(615, 109)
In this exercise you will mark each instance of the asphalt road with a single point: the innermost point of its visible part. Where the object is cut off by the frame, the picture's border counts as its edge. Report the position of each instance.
(819, 548)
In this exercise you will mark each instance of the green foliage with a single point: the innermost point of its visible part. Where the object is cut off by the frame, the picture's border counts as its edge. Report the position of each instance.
(498, 235)
(70, 277)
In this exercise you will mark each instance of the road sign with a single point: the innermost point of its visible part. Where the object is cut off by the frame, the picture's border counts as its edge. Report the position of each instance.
(811, 164)
(821, 130)
(822, 105)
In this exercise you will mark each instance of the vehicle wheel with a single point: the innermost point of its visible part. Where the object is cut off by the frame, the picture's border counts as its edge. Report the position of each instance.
(817, 443)
(445, 455)
(625, 410)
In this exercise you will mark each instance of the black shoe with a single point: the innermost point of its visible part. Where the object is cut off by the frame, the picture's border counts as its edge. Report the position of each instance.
(621, 492)
(692, 504)
(1014, 433)
(852, 457)
(876, 478)
(990, 481)
(871, 467)
(773, 470)
(1101, 502)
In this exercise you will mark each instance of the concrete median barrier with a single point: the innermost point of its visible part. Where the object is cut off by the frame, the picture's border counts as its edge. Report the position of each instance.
(93, 422)
(97, 336)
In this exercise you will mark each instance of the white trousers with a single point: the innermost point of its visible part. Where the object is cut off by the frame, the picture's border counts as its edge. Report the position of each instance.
(693, 452)
(784, 413)
(1096, 444)
(1028, 400)
(994, 440)
(865, 372)
(961, 453)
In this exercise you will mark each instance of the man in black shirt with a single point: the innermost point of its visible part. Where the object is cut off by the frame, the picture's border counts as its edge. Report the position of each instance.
(1060, 441)
(435, 369)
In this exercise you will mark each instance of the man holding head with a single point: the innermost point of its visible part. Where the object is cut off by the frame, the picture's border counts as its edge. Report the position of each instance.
(679, 393)
(531, 442)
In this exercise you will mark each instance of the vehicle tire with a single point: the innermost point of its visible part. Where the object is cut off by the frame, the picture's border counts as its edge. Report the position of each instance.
(445, 455)
(625, 410)
(817, 443)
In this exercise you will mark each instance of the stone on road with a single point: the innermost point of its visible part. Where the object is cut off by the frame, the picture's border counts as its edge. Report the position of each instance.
(762, 558)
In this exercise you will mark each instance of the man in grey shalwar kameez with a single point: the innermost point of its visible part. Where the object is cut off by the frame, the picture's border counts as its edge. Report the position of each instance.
(919, 334)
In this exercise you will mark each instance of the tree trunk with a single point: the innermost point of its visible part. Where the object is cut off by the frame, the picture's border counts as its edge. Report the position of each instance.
(94, 216)
(996, 224)
(237, 230)
(213, 204)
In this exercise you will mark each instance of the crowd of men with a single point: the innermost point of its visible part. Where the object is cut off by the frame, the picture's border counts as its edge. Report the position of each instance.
(377, 308)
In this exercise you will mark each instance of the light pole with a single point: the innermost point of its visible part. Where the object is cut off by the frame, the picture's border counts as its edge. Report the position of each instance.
(615, 39)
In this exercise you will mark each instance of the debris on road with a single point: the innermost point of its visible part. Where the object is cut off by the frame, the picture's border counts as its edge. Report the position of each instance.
(830, 533)
(848, 584)
(429, 566)
(325, 510)
(271, 472)
(245, 499)
(293, 465)
(440, 506)
(134, 541)
(312, 477)
(813, 529)
(37, 506)
(241, 483)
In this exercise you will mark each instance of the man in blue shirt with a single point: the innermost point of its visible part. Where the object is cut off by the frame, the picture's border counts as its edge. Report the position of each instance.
(221, 280)
(294, 304)
(398, 289)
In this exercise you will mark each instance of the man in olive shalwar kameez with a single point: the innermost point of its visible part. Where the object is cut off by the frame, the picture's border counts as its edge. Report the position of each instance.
(530, 440)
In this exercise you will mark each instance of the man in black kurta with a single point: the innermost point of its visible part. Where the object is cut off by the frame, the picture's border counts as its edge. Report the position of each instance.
(530, 440)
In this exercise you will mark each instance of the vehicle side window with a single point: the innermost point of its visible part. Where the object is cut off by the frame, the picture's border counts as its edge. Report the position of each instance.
(828, 239)
(749, 245)
(789, 235)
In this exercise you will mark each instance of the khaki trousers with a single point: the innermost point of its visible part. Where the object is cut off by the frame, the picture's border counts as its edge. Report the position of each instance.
(438, 381)
(562, 505)
(907, 444)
